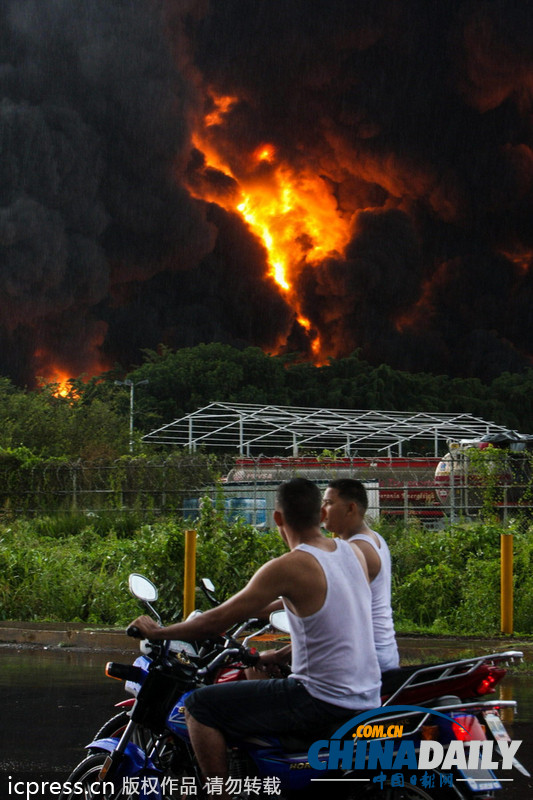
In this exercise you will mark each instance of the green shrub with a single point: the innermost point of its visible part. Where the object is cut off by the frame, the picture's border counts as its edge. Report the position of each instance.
(428, 593)
(478, 606)
(75, 567)
(449, 580)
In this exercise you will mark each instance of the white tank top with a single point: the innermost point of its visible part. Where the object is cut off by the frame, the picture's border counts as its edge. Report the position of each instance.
(333, 652)
(383, 624)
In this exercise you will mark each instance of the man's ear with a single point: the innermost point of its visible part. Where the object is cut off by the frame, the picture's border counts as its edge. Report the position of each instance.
(278, 518)
(353, 507)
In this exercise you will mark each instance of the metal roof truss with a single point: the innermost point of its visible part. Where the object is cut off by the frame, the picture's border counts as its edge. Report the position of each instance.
(253, 429)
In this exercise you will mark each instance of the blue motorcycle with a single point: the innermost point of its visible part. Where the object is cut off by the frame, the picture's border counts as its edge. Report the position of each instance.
(447, 749)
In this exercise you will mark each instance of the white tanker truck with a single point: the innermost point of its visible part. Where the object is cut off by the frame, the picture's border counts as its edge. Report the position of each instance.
(500, 462)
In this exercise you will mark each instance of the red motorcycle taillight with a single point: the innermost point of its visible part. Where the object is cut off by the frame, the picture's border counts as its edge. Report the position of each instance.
(467, 728)
(486, 686)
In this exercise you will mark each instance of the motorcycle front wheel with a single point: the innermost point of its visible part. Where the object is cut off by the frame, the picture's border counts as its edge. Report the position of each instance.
(83, 783)
(114, 728)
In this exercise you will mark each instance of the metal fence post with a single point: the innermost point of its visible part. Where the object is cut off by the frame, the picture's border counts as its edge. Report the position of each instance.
(452, 490)
(74, 503)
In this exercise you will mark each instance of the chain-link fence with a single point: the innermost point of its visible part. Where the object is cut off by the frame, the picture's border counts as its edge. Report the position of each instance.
(432, 490)
(159, 485)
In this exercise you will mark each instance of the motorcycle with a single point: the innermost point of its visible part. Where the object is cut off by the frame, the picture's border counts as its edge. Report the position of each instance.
(467, 679)
(229, 669)
(153, 756)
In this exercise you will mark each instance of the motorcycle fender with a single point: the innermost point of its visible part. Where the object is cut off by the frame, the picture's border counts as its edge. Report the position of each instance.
(129, 703)
(135, 761)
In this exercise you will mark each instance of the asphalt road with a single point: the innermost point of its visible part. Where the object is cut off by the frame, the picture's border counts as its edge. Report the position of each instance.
(54, 701)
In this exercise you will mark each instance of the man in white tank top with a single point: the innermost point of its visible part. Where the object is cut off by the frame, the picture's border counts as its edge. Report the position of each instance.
(335, 668)
(345, 504)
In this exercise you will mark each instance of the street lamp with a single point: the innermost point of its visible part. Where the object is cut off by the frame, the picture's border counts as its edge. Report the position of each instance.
(132, 386)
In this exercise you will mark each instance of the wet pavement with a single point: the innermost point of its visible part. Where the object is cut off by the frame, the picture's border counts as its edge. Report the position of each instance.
(54, 699)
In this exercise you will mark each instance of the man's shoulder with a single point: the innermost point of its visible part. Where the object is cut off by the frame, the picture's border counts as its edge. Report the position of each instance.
(295, 561)
(368, 536)
(295, 556)
(283, 562)
(368, 557)
(289, 571)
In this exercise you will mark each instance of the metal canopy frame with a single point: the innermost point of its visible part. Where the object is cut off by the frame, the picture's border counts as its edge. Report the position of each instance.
(253, 429)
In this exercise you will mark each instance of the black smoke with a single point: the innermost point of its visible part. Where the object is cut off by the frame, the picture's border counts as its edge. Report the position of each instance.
(416, 115)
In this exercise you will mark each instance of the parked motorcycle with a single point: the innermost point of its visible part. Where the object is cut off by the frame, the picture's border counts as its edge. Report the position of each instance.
(153, 757)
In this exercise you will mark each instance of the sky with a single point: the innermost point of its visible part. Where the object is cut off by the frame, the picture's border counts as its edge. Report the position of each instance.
(302, 176)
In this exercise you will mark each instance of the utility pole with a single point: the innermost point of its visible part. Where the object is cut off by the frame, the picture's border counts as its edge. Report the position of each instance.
(132, 386)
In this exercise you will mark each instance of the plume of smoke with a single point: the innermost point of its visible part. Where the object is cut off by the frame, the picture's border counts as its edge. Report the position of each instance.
(90, 132)
(416, 116)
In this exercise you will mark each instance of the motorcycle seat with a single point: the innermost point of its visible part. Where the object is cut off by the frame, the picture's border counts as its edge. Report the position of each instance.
(301, 741)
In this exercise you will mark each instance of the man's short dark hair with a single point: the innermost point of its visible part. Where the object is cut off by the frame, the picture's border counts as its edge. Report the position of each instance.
(300, 501)
(351, 490)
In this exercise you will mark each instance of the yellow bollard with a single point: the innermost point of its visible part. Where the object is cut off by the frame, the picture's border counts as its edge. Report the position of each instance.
(189, 573)
(506, 714)
(506, 542)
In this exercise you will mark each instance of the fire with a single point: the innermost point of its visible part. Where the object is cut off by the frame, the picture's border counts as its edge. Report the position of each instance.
(61, 381)
(297, 220)
(54, 376)
(266, 152)
(521, 257)
(222, 105)
(292, 212)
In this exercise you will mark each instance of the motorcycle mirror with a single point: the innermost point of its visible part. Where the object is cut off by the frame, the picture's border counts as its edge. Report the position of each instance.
(142, 588)
(208, 584)
(280, 621)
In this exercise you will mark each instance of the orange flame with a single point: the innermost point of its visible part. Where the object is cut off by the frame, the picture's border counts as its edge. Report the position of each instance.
(521, 257)
(222, 104)
(57, 377)
(60, 380)
(292, 212)
(266, 152)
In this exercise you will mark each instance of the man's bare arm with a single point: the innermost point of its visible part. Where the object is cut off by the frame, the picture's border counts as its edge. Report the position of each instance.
(277, 605)
(264, 589)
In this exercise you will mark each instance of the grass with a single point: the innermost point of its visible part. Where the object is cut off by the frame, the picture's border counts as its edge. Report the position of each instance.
(75, 567)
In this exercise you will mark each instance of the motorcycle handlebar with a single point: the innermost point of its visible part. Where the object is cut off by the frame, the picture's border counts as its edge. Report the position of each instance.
(134, 631)
(230, 653)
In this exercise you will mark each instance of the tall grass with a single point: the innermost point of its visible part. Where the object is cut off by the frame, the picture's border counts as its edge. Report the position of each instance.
(74, 568)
